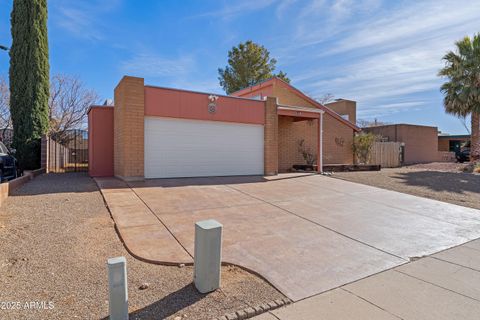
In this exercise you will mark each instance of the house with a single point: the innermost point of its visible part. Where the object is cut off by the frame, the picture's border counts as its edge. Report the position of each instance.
(421, 142)
(452, 143)
(155, 132)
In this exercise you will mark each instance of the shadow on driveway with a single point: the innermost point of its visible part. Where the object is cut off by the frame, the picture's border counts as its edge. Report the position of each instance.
(169, 305)
(72, 182)
(441, 181)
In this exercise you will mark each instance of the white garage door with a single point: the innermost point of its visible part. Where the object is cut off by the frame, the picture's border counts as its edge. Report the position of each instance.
(194, 148)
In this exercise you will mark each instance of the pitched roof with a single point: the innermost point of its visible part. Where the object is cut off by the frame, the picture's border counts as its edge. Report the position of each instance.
(271, 81)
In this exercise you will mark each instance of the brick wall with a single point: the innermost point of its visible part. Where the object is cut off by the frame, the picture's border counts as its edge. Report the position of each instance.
(443, 145)
(337, 137)
(337, 142)
(271, 137)
(286, 97)
(421, 142)
(289, 134)
(129, 128)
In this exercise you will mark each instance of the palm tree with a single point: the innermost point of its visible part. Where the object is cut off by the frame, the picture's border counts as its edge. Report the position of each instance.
(462, 89)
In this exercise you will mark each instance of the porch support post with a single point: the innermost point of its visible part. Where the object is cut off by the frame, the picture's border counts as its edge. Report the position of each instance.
(320, 143)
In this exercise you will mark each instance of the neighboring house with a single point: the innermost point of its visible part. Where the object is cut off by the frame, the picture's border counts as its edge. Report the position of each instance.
(421, 142)
(452, 143)
(154, 132)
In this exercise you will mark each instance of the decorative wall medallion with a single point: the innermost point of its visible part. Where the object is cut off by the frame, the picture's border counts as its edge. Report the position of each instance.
(212, 106)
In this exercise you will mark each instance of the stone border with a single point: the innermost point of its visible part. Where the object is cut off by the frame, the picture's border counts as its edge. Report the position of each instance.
(8, 187)
(250, 312)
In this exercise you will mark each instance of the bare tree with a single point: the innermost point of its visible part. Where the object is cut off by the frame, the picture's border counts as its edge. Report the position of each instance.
(326, 98)
(5, 119)
(69, 102)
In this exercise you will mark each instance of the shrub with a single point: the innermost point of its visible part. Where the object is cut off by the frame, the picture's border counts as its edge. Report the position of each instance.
(307, 153)
(362, 146)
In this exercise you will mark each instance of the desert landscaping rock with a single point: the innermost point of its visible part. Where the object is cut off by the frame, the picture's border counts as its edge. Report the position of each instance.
(439, 181)
(59, 222)
(144, 286)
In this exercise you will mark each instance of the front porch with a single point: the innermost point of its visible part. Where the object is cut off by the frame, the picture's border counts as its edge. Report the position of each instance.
(297, 124)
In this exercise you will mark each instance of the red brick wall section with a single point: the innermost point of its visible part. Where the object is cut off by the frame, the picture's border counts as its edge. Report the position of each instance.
(337, 142)
(129, 128)
(337, 137)
(271, 137)
(289, 134)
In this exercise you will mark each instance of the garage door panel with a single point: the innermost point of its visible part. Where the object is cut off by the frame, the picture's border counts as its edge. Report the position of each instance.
(193, 148)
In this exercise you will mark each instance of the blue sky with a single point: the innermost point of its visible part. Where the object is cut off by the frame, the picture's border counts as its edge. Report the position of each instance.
(383, 54)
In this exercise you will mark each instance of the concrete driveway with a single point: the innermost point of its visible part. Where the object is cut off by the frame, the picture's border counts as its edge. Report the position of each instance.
(304, 234)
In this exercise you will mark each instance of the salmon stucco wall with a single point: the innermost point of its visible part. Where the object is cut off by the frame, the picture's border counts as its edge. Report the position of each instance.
(100, 141)
(175, 103)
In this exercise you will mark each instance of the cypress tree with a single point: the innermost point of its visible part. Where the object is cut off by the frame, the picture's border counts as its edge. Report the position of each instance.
(29, 79)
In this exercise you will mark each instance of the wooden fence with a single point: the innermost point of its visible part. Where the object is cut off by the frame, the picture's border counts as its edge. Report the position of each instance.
(387, 154)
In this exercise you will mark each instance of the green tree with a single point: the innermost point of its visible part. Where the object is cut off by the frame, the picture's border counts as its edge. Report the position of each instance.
(29, 79)
(248, 64)
(462, 89)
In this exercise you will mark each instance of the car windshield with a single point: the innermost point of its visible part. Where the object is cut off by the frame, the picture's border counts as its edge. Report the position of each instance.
(3, 149)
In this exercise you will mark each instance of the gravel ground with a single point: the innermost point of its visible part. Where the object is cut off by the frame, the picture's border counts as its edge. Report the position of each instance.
(55, 237)
(439, 181)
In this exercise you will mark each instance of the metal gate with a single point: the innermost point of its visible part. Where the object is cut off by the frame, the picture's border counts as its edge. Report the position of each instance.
(67, 152)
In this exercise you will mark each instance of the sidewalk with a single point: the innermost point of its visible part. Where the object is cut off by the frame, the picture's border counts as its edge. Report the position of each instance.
(445, 285)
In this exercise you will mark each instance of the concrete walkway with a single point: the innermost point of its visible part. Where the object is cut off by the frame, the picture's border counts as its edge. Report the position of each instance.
(445, 286)
(305, 235)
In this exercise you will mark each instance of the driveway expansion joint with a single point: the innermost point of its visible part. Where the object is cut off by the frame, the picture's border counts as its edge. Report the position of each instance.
(436, 285)
(166, 227)
(371, 303)
(318, 224)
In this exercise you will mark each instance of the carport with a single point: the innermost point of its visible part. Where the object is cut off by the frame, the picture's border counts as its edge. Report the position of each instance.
(289, 118)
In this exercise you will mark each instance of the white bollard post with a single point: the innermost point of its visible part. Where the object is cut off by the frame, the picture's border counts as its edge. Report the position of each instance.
(207, 255)
(117, 288)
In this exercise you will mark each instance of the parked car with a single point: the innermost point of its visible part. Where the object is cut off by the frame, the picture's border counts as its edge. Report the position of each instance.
(8, 164)
(463, 155)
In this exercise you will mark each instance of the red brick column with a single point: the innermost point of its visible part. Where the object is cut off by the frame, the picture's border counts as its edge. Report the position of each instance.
(128, 128)
(271, 137)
